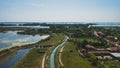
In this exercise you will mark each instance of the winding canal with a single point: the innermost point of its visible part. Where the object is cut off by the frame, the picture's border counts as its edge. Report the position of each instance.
(52, 56)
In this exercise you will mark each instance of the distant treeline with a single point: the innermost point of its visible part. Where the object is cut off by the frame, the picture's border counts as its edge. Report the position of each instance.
(25, 24)
(37, 24)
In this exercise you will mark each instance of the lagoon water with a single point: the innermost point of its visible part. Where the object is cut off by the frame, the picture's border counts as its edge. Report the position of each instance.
(33, 27)
(11, 38)
(10, 62)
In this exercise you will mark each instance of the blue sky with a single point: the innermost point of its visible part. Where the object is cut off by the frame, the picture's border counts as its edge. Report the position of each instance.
(60, 10)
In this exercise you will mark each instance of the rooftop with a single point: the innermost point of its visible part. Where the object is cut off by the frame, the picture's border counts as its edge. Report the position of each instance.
(115, 54)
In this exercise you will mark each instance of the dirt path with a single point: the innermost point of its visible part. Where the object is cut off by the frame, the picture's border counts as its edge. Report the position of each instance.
(43, 61)
(61, 50)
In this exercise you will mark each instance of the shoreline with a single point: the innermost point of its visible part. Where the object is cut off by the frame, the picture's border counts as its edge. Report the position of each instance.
(2, 50)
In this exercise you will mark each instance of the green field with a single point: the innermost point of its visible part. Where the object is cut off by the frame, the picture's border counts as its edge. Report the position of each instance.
(54, 40)
(32, 59)
(111, 63)
(72, 59)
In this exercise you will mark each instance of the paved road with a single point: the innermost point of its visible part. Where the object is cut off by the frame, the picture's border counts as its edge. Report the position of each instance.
(52, 56)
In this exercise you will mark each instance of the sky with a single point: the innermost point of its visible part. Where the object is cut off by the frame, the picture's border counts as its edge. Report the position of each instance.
(59, 10)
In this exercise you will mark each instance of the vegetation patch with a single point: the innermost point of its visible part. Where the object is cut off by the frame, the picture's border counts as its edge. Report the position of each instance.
(53, 40)
(72, 59)
(33, 59)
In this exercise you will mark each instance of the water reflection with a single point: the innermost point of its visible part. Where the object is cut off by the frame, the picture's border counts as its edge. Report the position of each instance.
(13, 59)
(11, 38)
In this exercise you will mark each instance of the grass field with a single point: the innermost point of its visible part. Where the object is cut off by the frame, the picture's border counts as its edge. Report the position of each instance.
(31, 59)
(72, 59)
(54, 40)
(111, 64)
